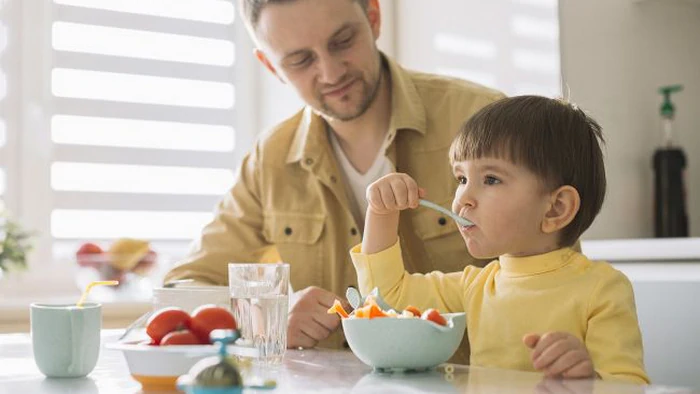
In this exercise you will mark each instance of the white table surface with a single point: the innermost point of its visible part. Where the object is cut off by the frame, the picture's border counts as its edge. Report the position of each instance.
(307, 371)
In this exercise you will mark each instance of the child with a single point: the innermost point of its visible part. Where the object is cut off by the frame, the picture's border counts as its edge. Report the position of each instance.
(531, 179)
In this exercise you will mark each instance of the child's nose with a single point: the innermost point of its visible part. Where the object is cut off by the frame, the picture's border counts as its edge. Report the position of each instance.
(464, 198)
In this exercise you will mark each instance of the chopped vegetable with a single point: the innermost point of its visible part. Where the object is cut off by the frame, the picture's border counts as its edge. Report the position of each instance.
(338, 308)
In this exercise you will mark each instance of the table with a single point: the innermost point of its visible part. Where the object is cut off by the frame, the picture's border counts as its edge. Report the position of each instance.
(303, 371)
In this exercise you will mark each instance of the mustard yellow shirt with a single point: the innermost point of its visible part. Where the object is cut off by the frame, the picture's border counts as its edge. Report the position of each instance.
(511, 297)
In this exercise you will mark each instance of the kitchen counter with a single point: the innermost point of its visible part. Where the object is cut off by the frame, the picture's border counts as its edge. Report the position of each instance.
(304, 371)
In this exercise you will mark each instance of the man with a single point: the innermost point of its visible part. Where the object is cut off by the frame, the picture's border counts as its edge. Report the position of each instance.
(299, 194)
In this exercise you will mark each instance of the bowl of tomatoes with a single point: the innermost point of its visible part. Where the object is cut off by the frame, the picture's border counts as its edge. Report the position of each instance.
(406, 340)
(176, 340)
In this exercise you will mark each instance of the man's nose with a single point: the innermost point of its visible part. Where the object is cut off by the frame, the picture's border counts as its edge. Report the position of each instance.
(331, 68)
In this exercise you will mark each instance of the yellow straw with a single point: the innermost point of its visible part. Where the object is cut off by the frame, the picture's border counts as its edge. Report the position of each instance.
(93, 284)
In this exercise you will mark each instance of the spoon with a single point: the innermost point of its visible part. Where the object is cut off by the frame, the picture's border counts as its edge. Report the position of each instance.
(460, 220)
(355, 298)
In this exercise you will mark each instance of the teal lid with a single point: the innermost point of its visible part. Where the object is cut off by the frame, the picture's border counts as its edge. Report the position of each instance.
(667, 108)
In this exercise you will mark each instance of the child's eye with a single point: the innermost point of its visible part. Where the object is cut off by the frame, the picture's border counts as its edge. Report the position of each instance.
(489, 180)
(462, 180)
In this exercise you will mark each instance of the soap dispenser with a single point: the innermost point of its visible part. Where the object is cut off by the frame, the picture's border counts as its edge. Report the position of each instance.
(670, 216)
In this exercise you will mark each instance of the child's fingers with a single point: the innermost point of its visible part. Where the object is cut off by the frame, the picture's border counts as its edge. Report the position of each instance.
(582, 370)
(400, 191)
(566, 362)
(422, 192)
(530, 340)
(387, 195)
(546, 340)
(413, 193)
(551, 354)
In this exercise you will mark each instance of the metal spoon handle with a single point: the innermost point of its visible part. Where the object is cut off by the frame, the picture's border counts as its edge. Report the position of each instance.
(460, 220)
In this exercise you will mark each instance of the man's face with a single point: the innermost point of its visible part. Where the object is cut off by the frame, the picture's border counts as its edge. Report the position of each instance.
(327, 50)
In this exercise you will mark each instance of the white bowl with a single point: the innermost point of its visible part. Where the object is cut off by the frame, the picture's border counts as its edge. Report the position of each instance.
(158, 367)
(389, 344)
(190, 297)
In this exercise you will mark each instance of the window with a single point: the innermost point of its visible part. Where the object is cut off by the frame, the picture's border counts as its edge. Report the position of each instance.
(131, 121)
(510, 45)
(8, 109)
(142, 122)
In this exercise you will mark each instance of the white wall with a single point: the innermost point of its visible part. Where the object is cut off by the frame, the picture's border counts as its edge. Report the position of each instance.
(615, 54)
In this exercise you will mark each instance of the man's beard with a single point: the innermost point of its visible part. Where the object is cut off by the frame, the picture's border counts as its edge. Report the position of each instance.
(368, 94)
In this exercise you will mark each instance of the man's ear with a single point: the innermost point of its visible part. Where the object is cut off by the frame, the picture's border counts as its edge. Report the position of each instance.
(374, 16)
(564, 205)
(260, 55)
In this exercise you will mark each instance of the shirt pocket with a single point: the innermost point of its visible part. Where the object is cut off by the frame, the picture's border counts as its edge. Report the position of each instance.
(442, 241)
(297, 237)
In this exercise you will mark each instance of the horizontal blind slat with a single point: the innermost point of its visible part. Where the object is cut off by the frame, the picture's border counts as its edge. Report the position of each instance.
(160, 68)
(142, 22)
(116, 155)
(157, 112)
(145, 202)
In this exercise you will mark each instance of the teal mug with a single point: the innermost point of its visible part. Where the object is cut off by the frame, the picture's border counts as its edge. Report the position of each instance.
(66, 338)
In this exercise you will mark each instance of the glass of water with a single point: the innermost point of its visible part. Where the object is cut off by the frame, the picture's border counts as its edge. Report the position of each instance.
(260, 304)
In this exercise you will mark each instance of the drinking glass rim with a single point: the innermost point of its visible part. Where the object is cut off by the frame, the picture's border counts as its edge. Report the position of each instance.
(249, 265)
(64, 306)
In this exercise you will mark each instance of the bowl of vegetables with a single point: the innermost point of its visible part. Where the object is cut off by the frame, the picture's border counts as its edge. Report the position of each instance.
(389, 340)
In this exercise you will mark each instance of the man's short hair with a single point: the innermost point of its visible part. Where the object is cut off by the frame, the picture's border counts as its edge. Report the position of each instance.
(251, 9)
(555, 140)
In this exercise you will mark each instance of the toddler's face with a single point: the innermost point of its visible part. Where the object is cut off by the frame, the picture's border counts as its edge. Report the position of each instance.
(505, 202)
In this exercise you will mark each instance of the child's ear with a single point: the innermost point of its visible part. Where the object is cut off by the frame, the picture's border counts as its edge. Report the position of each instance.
(564, 204)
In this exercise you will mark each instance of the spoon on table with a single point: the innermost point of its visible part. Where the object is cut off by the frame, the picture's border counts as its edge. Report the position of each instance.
(460, 220)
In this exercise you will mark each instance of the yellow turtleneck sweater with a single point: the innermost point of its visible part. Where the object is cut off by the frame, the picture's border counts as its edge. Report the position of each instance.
(513, 296)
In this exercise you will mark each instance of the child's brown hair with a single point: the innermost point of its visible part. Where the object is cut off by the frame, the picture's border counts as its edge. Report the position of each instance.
(555, 140)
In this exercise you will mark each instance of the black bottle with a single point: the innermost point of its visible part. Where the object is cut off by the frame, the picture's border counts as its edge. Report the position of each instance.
(670, 216)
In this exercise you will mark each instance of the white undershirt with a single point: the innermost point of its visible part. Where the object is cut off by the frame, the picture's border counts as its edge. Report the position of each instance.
(357, 182)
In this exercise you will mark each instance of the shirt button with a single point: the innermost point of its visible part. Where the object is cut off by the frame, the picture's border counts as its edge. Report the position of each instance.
(334, 179)
(309, 161)
(353, 231)
(442, 221)
(288, 231)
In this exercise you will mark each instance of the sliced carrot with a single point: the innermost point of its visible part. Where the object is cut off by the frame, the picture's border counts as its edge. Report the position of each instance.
(338, 308)
(415, 311)
(375, 311)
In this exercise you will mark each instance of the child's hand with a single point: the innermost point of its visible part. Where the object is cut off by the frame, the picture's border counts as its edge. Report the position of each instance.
(560, 354)
(393, 192)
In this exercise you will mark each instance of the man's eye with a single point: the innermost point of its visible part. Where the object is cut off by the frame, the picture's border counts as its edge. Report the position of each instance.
(489, 180)
(301, 62)
(298, 61)
(343, 42)
(462, 180)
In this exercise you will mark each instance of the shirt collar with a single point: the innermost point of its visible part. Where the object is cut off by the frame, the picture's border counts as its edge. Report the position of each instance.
(407, 112)
(537, 264)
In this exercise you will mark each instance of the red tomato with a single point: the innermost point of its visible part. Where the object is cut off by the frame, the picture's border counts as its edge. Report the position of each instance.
(207, 318)
(434, 316)
(183, 337)
(415, 311)
(88, 255)
(166, 320)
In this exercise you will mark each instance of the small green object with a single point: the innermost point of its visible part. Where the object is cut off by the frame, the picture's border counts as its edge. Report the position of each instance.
(667, 108)
(218, 371)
